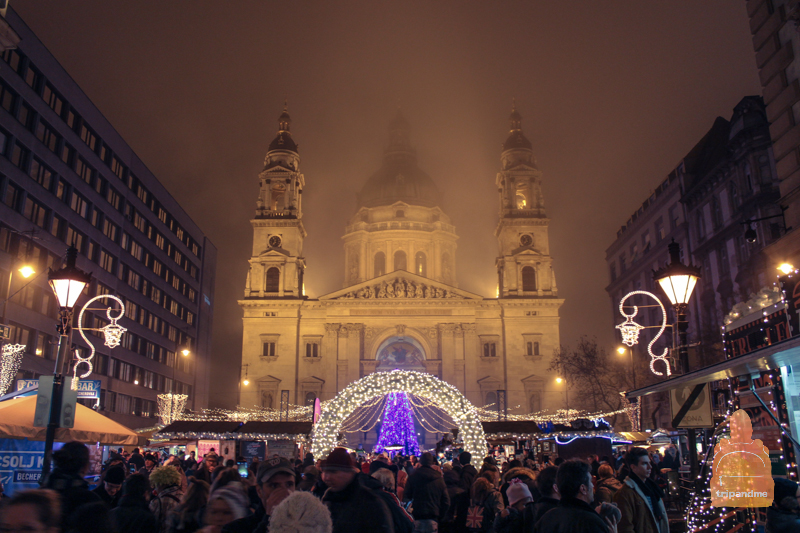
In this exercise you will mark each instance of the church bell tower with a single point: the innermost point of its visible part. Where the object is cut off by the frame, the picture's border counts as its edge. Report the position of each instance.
(524, 265)
(277, 263)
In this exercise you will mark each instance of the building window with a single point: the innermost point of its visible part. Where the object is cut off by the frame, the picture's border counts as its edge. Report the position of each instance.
(660, 233)
(748, 177)
(13, 196)
(311, 397)
(52, 99)
(613, 268)
(490, 349)
(400, 260)
(79, 204)
(764, 169)
(380, 264)
(266, 399)
(532, 348)
(268, 349)
(535, 402)
(35, 212)
(48, 136)
(622, 265)
(491, 398)
(528, 279)
(421, 264)
(312, 349)
(701, 225)
(273, 279)
(7, 98)
(733, 192)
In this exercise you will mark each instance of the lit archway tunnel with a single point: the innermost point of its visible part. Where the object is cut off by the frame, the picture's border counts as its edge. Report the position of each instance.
(445, 396)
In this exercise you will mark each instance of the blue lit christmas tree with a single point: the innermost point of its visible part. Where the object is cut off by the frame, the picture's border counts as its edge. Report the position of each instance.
(397, 427)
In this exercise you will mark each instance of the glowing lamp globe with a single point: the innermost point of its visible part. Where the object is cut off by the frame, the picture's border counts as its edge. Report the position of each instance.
(186, 351)
(786, 268)
(27, 271)
(68, 282)
(676, 279)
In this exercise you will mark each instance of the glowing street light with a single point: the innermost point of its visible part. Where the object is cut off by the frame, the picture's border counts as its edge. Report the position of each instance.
(786, 268)
(27, 271)
(678, 281)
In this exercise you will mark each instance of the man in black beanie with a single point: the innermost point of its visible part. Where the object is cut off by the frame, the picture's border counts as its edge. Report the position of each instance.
(109, 487)
(468, 472)
(784, 514)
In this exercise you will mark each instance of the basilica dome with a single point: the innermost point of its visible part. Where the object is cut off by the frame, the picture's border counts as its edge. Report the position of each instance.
(399, 179)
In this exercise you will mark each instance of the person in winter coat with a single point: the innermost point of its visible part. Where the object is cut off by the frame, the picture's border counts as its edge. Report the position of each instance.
(510, 519)
(467, 472)
(110, 484)
(548, 497)
(224, 506)
(275, 481)
(525, 475)
(640, 500)
(167, 482)
(459, 499)
(352, 506)
(71, 465)
(401, 520)
(784, 514)
(187, 516)
(136, 459)
(607, 485)
(426, 489)
(310, 477)
(133, 515)
(574, 513)
(301, 512)
(484, 504)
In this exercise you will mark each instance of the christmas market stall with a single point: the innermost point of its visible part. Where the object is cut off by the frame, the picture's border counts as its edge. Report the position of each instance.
(237, 440)
(760, 375)
(580, 438)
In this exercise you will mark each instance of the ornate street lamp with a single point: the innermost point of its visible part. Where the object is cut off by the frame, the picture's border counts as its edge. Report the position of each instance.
(678, 281)
(67, 284)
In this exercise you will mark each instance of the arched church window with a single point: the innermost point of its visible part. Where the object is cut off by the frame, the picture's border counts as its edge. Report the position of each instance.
(273, 279)
(277, 195)
(380, 264)
(420, 264)
(528, 279)
(491, 398)
(400, 260)
(310, 399)
(522, 202)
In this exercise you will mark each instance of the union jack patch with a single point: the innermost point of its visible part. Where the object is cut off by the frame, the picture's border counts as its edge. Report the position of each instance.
(475, 516)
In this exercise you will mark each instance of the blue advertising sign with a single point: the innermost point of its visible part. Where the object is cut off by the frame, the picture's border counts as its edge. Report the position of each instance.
(254, 450)
(21, 464)
(88, 389)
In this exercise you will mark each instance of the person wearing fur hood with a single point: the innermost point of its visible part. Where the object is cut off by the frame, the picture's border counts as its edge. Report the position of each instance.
(526, 475)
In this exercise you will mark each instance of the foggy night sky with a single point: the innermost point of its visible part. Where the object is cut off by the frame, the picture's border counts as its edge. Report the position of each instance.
(612, 94)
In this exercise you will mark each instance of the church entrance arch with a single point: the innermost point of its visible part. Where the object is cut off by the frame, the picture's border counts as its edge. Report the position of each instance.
(445, 396)
(400, 353)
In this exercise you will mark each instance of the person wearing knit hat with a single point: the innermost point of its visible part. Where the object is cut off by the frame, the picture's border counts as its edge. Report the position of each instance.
(301, 512)
(353, 507)
(224, 506)
(511, 518)
(784, 514)
(167, 482)
(110, 484)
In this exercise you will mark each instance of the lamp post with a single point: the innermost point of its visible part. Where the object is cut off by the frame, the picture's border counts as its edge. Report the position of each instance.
(621, 350)
(678, 281)
(561, 380)
(67, 284)
(185, 351)
(25, 271)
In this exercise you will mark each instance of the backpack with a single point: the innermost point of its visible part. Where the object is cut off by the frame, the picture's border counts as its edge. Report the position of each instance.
(480, 518)
(403, 523)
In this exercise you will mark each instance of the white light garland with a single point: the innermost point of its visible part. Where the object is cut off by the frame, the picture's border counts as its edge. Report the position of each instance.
(170, 406)
(111, 332)
(630, 331)
(12, 357)
(326, 432)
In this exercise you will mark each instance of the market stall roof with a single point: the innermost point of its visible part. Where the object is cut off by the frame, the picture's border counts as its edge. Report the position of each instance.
(767, 358)
(200, 426)
(16, 422)
(277, 428)
(635, 436)
(518, 427)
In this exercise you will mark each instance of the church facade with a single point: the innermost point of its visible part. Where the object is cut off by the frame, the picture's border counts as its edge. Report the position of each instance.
(400, 306)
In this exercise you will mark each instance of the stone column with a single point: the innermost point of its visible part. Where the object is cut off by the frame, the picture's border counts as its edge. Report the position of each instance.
(471, 356)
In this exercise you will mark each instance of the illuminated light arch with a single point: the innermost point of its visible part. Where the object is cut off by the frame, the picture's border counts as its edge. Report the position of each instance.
(446, 397)
(630, 331)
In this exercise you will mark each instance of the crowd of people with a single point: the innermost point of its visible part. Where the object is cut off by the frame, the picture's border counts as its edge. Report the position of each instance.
(347, 493)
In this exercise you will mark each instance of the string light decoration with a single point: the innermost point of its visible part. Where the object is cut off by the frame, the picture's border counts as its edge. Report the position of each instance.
(170, 407)
(630, 331)
(12, 358)
(448, 398)
(397, 428)
(112, 333)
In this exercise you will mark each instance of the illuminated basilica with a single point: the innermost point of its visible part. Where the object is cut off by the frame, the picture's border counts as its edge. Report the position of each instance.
(401, 307)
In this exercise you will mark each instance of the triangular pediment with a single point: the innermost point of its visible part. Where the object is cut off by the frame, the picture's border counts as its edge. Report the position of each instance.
(526, 250)
(274, 251)
(401, 283)
(312, 380)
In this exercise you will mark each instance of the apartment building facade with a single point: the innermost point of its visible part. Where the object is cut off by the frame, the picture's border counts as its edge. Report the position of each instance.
(68, 178)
